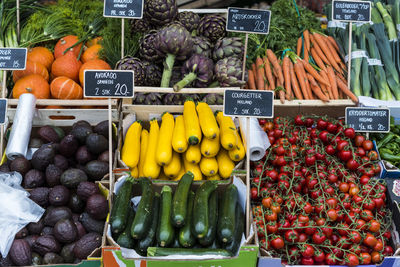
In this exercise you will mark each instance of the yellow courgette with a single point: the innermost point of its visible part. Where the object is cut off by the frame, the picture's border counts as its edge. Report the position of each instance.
(163, 176)
(238, 153)
(144, 140)
(131, 149)
(151, 168)
(180, 174)
(208, 124)
(135, 172)
(164, 146)
(215, 177)
(227, 131)
(179, 141)
(209, 147)
(225, 164)
(173, 168)
(208, 166)
(192, 125)
(194, 168)
(193, 154)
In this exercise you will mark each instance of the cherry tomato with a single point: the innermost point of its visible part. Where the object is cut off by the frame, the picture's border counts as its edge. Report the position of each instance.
(375, 257)
(352, 260)
(358, 140)
(355, 237)
(378, 246)
(271, 216)
(330, 259)
(272, 227)
(308, 122)
(332, 128)
(330, 150)
(268, 126)
(332, 214)
(349, 133)
(367, 145)
(310, 160)
(319, 256)
(266, 202)
(373, 155)
(370, 240)
(254, 193)
(365, 258)
(344, 187)
(307, 261)
(292, 236)
(277, 243)
(275, 207)
(318, 238)
(298, 120)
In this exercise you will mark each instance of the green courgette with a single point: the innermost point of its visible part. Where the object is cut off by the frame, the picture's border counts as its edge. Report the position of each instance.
(165, 231)
(186, 238)
(226, 218)
(234, 246)
(142, 221)
(200, 222)
(149, 239)
(209, 238)
(155, 251)
(119, 212)
(179, 202)
(125, 239)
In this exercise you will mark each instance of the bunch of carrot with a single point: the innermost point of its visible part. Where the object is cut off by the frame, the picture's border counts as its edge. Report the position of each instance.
(298, 77)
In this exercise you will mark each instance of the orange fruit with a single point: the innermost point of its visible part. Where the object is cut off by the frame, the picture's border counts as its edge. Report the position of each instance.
(91, 53)
(94, 41)
(95, 64)
(34, 84)
(65, 88)
(31, 68)
(41, 55)
(66, 42)
(66, 65)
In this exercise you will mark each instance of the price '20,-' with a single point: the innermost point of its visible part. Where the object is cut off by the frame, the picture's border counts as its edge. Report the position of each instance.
(120, 90)
(260, 26)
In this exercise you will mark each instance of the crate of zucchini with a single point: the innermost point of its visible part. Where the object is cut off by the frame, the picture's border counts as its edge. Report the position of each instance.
(64, 176)
(186, 221)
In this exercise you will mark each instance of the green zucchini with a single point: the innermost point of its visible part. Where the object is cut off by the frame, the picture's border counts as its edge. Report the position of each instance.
(186, 238)
(125, 239)
(209, 238)
(119, 214)
(149, 239)
(234, 246)
(200, 222)
(226, 219)
(165, 231)
(179, 202)
(142, 221)
(155, 251)
(176, 240)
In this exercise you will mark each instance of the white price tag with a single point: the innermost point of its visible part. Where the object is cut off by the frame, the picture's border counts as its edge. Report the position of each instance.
(357, 54)
(336, 24)
(374, 62)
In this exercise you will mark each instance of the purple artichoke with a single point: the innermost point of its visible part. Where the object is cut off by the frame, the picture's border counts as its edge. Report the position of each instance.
(135, 64)
(201, 46)
(153, 74)
(197, 70)
(228, 72)
(147, 49)
(228, 47)
(160, 12)
(140, 25)
(212, 27)
(189, 20)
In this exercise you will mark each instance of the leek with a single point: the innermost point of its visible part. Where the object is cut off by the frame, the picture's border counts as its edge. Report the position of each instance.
(387, 19)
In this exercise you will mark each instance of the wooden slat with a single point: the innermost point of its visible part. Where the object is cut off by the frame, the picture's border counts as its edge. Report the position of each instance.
(205, 10)
(58, 102)
(145, 89)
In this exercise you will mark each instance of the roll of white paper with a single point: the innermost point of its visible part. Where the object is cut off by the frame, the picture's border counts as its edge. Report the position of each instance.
(259, 141)
(22, 126)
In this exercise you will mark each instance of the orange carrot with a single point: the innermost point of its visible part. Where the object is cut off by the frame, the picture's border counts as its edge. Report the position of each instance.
(326, 89)
(268, 73)
(281, 91)
(308, 87)
(314, 73)
(306, 35)
(299, 70)
(275, 63)
(333, 43)
(332, 81)
(318, 50)
(306, 55)
(260, 74)
(315, 88)
(251, 81)
(254, 69)
(342, 86)
(294, 82)
(317, 59)
(299, 45)
(324, 47)
(332, 49)
(286, 75)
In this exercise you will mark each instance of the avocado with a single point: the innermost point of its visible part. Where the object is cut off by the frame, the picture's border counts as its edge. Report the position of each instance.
(68, 146)
(65, 231)
(4, 168)
(48, 134)
(36, 228)
(21, 165)
(53, 175)
(47, 230)
(22, 233)
(82, 155)
(96, 169)
(20, 252)
(76, 204)
(43, 157)
(31, 239)
(45, 244)
(86, 245)
(72, 177)
(81, 132)
(36, 259)
(60, 132)
(80, 228)
(33, 179)
(90, 224)
(81, 123)
(59, 195)
(35, 143)
(96, 143)
(105, 157)
(102, 128)
(97, 206)
(6, 261)
(61, 162)
(54, 214)
(40, 196)
(67, 252)
(86, 189)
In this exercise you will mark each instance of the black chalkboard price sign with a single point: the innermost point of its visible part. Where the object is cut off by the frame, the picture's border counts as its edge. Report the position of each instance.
(373, 120)
(249, 103)
(108, 83)
(130, 9)
(3, 110)
(248, 20)
(352, 11)
(13, 58)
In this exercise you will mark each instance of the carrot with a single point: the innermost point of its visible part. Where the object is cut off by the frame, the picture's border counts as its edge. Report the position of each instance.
(275, 63)
(299, 45)
(314, 73)
(251, 81)
(268, 73)
(342, 86)
(306, 35)
(315, 88)
(294, 82)
(318, 50)
(286, 76)
(254, 69)
(281, 91)
(308, 87)
(332, 81)
(324, 47)
(317, 59)
(299, 70)
(333, 43)
(306, 55)
(326, 89)
(332, 49)
(260, 74)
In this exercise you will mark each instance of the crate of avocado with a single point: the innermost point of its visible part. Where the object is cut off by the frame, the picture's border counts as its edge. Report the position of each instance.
(192, 221)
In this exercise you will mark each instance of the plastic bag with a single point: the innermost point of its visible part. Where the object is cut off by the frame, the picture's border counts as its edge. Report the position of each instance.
(13, 179)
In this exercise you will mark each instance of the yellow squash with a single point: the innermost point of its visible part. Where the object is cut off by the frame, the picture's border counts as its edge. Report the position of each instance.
(214, 178)
(164, 146)
(162, 176)
(225, 164)
(180, 174)
(192, 125)
(227, 131)
(135, 172)
(238, 153)
(144, 140)
(179, 141)
(131, 149)
(173, 168)
(194, 168)
(209, 166)
(150, 167)
(193, 154)
(208, 124)
(209, 147)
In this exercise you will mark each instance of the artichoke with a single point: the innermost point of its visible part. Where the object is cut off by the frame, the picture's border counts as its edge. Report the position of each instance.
(212, 27)
(202, 46)
(228, 47)
(135, 64)
(147, 49)
(160, 12)
(189, 20)
(139, 98)
(140, 25)
(173, 99)
(173, 41)
(176, 76)
(197, 70)
(153, 74)
(153, 99)
(228, 72)
(213, 99)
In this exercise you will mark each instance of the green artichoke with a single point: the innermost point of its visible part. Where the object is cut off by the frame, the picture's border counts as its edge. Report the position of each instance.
(160, 12)
(228, 47)
(212, 27)
(213, 99)
(228, 72)
(135, 64)
(189, 20)
(147, 48)
(173, 41)
(202, 46)
(153, 74)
